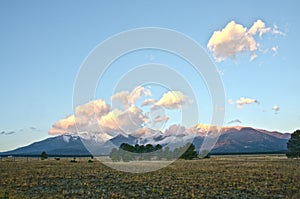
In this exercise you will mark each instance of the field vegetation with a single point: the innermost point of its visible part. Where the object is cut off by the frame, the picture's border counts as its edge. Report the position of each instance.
(217, 177)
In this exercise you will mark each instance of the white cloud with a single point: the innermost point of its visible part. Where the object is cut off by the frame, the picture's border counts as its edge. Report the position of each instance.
(137, 93)
(259, 27)
(126, 98)
(65, 125)
(86, 118)
(97, 117)
(230, 41)
(243, 101)
(276, 109)
(101, 120)
(275, 31)
(124, 121)
(235, 39)
(120, 99)
(274, 49)
(172, 100)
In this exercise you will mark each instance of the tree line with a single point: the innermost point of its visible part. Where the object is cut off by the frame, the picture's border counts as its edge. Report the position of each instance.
(127, 152)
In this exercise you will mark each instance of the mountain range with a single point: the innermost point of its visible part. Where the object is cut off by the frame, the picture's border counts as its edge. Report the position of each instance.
(232, 140)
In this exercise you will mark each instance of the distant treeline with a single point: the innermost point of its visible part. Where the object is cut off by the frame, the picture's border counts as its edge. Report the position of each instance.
(127, 152)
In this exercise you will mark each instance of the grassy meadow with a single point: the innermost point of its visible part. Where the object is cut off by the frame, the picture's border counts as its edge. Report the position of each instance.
(271, 176)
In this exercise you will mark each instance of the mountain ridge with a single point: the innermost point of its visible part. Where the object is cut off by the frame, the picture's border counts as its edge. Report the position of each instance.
(235, 139)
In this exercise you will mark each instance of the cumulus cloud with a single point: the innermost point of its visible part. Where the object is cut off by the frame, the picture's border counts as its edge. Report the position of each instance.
(172, 100)
(101, 120)
(66, 125)
(235, 39)
(126, 98)
(120, 98)
(86, 118)
(243, 101)
(124, 121)
(98, 117)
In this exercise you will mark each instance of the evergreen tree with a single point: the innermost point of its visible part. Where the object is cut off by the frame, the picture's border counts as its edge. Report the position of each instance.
(190, 152)
(44, 155)
(293, 145)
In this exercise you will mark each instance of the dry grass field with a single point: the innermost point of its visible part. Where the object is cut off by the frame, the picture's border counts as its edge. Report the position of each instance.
(217, 177)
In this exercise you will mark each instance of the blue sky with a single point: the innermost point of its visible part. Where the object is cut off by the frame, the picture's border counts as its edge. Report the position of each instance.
(43, 44)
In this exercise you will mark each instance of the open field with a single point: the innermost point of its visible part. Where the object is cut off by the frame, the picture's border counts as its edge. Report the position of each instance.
(218, 177)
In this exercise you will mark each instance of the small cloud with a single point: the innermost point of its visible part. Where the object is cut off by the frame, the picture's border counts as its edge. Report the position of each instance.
(137, 93)
(274, 49)
(259, 27)
(276, 109)
(234, 39)
(148, 102)
(243, 101)
(234, 121)
(7, 133)
(275, 31)
(22, 130)
(10, 133)
(172, 100)
(159, 118)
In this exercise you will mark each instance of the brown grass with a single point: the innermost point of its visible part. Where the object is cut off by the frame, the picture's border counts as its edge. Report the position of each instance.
(217, 177)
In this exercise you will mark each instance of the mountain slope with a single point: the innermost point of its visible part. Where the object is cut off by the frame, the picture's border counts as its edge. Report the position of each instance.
(249, 140)
(232, 140)
(60, 145)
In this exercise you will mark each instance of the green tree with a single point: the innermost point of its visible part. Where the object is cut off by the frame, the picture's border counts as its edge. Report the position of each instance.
(190, 152)
(44, 155)
(293, 145)
(127, 147)
(115, 155)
